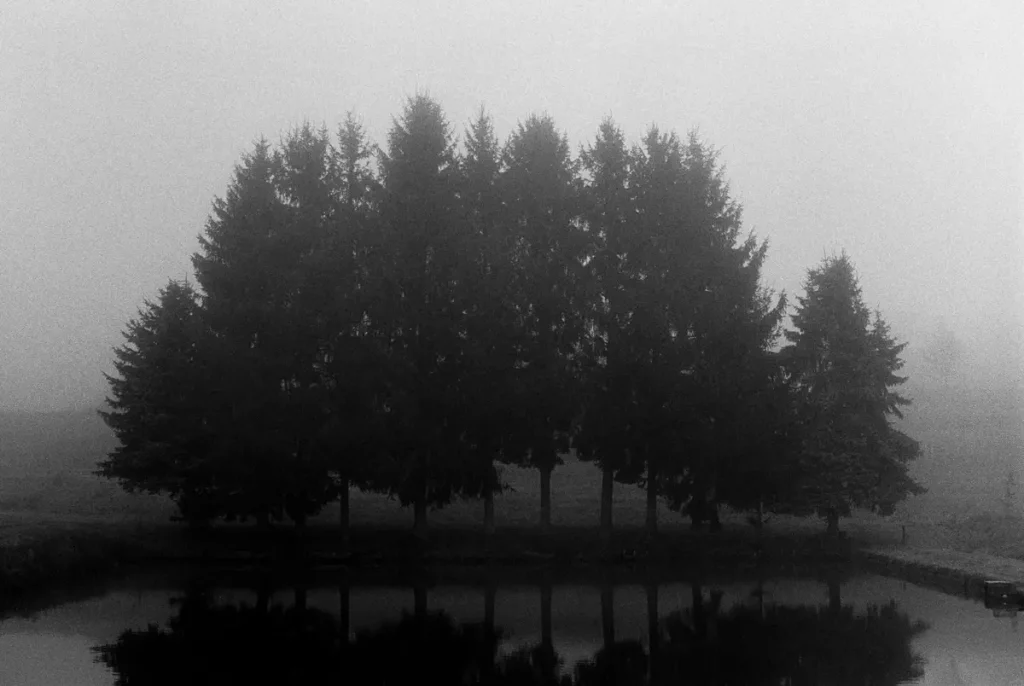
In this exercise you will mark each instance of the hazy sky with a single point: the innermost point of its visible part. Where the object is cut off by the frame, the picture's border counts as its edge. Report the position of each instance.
(891, 129)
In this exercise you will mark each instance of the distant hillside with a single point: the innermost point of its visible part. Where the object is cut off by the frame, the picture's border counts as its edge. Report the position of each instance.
(48, 442)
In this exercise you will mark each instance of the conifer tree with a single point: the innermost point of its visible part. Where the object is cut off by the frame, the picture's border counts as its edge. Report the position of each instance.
(244, 268)
(306, 178)
(489, 345)
(610, 388)
(844, 366)
(542, 195)
(352, 362)
(158, 408)
(424, 300)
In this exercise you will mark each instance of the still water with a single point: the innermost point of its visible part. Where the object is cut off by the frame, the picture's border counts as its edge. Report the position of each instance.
(863, 629)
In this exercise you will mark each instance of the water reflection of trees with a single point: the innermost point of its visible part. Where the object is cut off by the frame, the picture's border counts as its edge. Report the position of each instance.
(704, 644)
(793, 645)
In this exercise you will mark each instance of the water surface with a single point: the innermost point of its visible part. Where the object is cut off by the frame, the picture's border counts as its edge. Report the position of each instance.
(866, 629)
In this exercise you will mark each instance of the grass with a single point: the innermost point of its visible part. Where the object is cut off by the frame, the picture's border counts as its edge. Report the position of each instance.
(58, 520)
(575, 488)
(38, 553)
(53, 526)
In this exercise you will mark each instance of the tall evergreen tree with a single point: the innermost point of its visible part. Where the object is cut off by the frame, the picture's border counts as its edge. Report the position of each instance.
(845, 366)
(158, 408)
(425, 297)
(244, 267)
(353, 357)
(663, 262)
(701, 321)
(489, 345)
(306, 177)
(756, 454)
(542, 196)
(610, 387)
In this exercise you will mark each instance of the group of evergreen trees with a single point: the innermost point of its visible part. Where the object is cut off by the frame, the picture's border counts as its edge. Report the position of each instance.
(406, 320)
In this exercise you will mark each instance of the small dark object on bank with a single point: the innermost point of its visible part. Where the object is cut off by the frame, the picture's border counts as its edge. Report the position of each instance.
(1002, 594)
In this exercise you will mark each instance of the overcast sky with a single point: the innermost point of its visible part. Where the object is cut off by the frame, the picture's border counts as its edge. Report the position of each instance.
(890, 129)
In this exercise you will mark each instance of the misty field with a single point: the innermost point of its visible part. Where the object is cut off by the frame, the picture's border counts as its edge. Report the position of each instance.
(46, 484)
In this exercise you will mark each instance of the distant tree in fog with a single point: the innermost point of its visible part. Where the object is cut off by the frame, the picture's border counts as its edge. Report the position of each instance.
(944, 353)
(1011, 493)
(844, 366)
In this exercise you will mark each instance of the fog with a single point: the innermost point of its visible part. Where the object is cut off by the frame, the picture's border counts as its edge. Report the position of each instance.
(889, 129)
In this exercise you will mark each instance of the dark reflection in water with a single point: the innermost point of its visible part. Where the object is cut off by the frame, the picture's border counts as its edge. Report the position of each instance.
(751, 643)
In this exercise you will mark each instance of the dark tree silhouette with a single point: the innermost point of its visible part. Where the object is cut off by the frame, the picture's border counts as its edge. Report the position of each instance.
(800, 645)
(206, 643)
(160, 406)
(353, 359)
(489, 381)
(542, 195)
(844, 367)
(249, 267)
(425, 296)
(611, 386)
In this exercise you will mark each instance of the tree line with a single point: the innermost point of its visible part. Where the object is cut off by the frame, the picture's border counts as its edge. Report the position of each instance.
(407, 319)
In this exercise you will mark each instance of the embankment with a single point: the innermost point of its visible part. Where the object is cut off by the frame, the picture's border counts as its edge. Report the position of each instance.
(951, 571)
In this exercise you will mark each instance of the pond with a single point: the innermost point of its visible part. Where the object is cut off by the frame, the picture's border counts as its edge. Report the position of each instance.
(191, 627)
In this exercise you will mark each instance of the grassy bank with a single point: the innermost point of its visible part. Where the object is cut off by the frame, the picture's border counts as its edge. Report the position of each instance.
(36, 555)
(951, 571)
(39, 554)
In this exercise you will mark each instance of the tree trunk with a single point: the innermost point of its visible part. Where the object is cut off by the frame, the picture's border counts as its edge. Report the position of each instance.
(490, 593)
(343, 514)
(835, 601)
(695, 508)
(832, 516)
(652, 499)
(420, 601)
(545, 498)
(300, 596)
(488, 512)
(263, 596)
(697, 599)
(653, 634)
(545, 613)
(715, 523)
(263, 520)
(712, 615)
(344, 614)
(490, 634)
(607, 492)
(420, 514)
(759, 527)
(608, 615)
